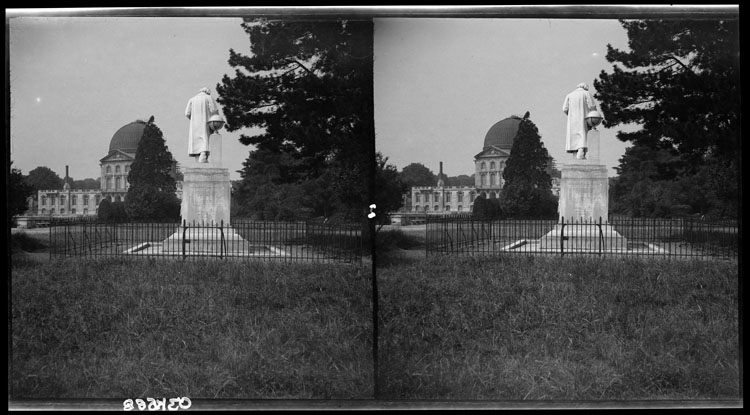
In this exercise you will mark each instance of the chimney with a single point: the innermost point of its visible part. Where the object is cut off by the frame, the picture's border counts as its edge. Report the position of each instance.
(441, 182)
(66, 173)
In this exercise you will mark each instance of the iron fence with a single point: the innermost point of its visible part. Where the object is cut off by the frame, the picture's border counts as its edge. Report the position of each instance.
(240, 239)
(677, 237)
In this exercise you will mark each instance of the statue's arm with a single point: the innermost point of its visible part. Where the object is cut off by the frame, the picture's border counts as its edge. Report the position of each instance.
(187, 110)
(565, 106)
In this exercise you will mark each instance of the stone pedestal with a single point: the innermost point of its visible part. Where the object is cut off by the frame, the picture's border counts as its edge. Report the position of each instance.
(206, 202)
(206, 193)
(584, 192)
(584, 199)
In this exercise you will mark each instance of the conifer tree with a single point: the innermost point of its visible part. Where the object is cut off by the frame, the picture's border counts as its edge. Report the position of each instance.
(151, 195)
(527, 191)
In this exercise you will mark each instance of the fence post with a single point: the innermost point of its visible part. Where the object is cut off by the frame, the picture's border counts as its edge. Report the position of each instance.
(562, 236)
(51, 242)
(221, 228)
(184, 230)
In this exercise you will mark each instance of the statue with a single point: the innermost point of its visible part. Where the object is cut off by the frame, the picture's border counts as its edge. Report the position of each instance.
(199, 109)
(583, 115)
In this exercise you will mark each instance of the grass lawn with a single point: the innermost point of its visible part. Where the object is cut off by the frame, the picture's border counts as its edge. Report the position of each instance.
(544, 328)
(200, 329)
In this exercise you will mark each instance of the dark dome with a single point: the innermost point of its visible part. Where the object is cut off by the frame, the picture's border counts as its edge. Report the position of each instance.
(502, 133)
(127, 137)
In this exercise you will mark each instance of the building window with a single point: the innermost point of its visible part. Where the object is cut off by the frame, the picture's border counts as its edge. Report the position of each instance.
(117, 182)
(436, 197)
(460, 197)
(85, 200)
(117, 168)
(447, 198)
(426, 208)
(52, 211)
(62, 211)
(73, 200)
(492, 165)
(96, 200)
(85, 211)
(437, 208)
(493, 178)
(460, 208)
(484, 179)
(73, 211)
(44, 200)
(483, 166)
(109, 183)
(44, 211)
(416, 198)
(447, 208)
(109, 169)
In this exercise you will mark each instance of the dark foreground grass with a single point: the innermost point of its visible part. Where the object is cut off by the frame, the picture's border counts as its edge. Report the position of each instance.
(525, 328)
(201, 329)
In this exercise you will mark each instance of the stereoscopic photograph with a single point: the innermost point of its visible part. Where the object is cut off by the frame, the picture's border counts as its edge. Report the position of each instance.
(495, 207)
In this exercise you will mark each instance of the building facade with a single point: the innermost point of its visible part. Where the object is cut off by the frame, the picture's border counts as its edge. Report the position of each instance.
(489, 165)
(115, 167)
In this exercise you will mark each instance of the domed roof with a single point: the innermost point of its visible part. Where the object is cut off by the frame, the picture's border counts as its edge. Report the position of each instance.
(502, 133)
(127, 137)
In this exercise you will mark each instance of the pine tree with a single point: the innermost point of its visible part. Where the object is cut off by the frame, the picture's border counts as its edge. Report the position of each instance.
(528, 186)
(680, 83)
(308, 87)
(151, 195)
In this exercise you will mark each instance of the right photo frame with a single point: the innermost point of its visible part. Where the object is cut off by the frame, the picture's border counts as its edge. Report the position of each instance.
(568, 226)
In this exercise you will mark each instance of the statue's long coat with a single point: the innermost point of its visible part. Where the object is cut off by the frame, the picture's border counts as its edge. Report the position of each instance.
(577, 104)
(199, 110)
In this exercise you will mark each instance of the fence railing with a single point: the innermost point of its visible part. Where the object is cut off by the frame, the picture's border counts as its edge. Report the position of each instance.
(677, 237)
(244, 239)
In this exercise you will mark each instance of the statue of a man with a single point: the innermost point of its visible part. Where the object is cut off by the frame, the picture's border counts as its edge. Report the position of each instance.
(199, 110)
(577, 106)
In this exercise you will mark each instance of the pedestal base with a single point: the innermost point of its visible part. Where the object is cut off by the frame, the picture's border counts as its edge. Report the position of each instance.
(586, 237)
(206, 241)
(584, 192)
(206, 193)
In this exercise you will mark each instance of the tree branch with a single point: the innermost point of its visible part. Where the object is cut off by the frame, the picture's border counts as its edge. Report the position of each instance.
(677, 61)
(301, 66)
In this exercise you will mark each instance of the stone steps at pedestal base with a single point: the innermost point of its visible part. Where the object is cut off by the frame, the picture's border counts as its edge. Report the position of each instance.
(584, 237)
(206, 240)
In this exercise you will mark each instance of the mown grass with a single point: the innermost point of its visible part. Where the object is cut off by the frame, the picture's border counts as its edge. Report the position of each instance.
(539, 328)
(201, 329)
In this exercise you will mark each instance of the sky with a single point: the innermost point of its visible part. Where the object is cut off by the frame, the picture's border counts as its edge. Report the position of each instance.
(440, 84)
(74, 81)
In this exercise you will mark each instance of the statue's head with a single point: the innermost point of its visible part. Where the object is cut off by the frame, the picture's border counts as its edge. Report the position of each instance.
(206, 90)
(583, 85)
